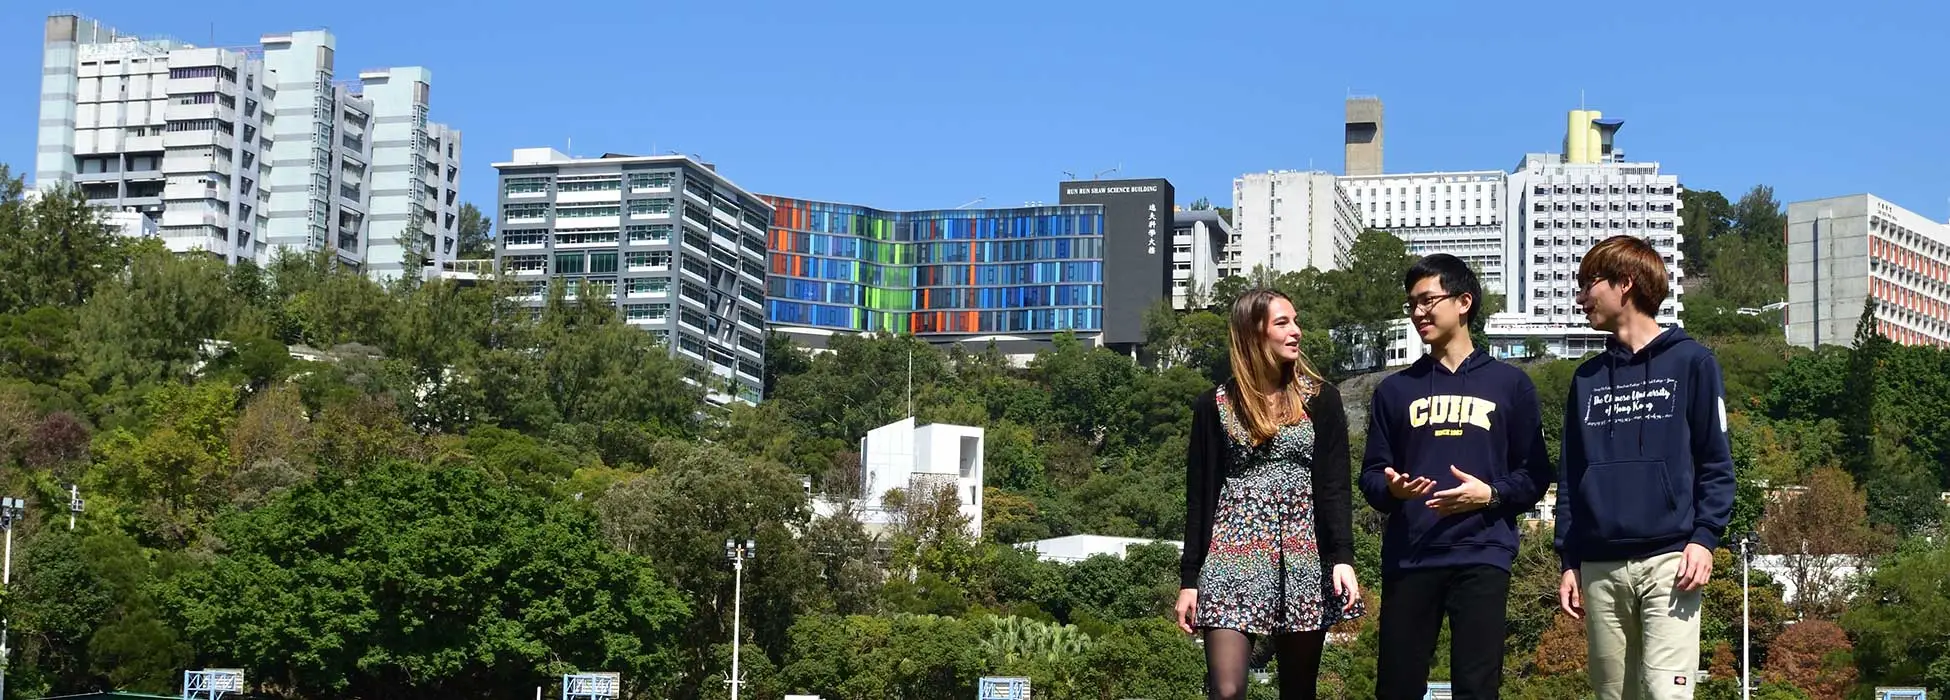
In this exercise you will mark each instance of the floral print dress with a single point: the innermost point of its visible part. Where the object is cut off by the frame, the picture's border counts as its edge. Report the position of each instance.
(1262, 571)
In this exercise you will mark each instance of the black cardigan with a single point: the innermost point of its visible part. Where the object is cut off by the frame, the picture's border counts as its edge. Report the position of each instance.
(1205, 467)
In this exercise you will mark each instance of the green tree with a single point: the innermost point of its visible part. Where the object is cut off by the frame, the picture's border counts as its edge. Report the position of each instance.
(86, 617)
(1090, 388)
(1913, 400)
(147, 326)
(902, 657)
(1747, 368)
(1811, 386)
(1759, 216)
(1708, 217)
(679, 513)
(1898, 616)
(596, 369)
(476, 233)
(54, 248)
(1859, 402)
(37, 345)
(416, 580)
(1145, 658)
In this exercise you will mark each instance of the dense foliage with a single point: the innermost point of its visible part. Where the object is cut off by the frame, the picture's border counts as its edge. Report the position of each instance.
(458, 497)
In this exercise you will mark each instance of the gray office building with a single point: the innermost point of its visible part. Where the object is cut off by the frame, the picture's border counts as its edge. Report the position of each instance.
(679, 249)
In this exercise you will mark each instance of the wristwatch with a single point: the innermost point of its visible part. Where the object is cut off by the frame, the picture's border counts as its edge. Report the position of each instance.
(1496, 499)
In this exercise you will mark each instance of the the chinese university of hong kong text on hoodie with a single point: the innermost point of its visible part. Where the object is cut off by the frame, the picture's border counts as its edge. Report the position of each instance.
(1646, 466)
(1482, 419)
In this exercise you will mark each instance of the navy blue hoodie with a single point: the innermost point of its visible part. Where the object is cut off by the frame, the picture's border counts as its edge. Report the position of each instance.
(1646, 466)
(1482, 419)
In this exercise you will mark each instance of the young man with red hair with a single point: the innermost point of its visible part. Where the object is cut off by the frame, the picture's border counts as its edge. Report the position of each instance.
(1646, 482)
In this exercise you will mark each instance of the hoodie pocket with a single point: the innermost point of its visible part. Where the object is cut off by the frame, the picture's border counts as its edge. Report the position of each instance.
(1629, 500)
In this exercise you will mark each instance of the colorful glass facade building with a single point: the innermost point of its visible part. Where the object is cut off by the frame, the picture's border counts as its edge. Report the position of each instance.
(1005, 274)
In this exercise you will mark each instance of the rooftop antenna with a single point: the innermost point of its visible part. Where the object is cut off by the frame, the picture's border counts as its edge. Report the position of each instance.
(1580, 99)
(1101, 173)
(972, 202)
(1070, 175)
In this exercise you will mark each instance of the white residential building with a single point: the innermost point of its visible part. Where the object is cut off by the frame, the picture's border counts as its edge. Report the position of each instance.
(915, 459)
(1459, 213)
(319, 154)
(1287, 221)
(236, 152)
(1198, 241)
(415, 175)
(1557, 208)
(1843, 250)
(157, 128)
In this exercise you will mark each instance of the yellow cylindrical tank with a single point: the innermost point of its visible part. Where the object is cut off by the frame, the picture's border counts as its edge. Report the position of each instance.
(1577, 135)
(1594, 143)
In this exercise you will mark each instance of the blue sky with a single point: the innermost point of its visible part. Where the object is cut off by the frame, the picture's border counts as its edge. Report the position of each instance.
(916, 104)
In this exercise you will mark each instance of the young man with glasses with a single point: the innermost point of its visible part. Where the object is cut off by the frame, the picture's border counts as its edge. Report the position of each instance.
(1455, 454)
(1647, 482)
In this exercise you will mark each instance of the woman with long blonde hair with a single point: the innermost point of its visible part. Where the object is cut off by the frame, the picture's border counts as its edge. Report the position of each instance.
(1269, 536)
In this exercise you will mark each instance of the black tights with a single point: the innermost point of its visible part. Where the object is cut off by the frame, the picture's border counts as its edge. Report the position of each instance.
(1228, 653)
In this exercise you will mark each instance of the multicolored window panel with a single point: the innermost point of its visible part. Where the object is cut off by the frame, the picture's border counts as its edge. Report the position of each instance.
(1027, 270)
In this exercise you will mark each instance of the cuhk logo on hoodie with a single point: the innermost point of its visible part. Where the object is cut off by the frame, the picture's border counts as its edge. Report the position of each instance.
(1450, 410)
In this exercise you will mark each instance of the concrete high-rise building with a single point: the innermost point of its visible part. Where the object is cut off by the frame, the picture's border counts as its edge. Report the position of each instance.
(1286, 221)
(680, 249)
(1198, 242)
(1363, 137)
(157, 128)
(1459, 213)
(1844, 250)
(319, 151)
(414, 217)
(1558, 208)
(239, 153)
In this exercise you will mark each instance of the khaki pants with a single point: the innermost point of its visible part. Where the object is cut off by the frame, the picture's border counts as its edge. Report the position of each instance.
(1643, 635)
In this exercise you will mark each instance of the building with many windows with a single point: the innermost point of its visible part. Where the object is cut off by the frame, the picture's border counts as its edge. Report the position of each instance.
(414, 205)
(237, 153)
(1287, 221)
(1014, 276)
(1558, 207)
(319, 134)
(161, 129)
(677, 247)
(1842, 251)
(1459, 213)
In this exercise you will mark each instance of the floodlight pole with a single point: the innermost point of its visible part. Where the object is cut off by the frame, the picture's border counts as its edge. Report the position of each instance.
(737, 552)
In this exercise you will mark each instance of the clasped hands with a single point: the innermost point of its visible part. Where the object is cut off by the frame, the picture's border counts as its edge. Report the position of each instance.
(1473, 494)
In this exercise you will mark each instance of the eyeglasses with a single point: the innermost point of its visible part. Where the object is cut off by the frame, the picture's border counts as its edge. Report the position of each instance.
(1585, 288)
(1425, 303)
